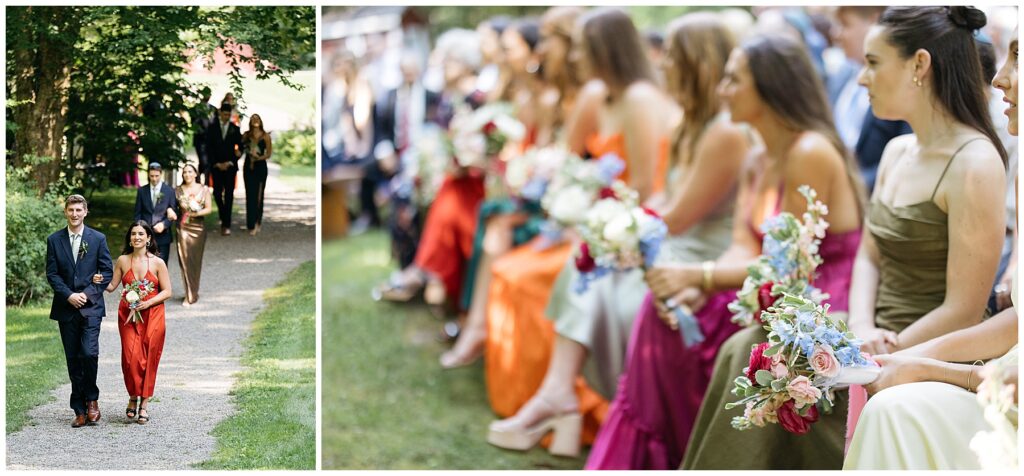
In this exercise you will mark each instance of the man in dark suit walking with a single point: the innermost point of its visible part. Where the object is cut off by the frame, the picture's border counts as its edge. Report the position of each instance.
(73, 255)
(205, 114)
(155, 204)
(224, 146)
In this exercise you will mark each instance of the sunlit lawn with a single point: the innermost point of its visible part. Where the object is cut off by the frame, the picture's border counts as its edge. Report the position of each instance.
(386, 402)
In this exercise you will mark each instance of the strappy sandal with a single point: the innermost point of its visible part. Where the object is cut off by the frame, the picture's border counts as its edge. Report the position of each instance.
(143, 419)
(132, 411)
(396, 290)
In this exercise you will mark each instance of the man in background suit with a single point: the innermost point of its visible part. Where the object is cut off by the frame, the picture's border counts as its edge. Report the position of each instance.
(205, 114)
(155, 204)
(862, 132)
(224, 145)
(73, 255)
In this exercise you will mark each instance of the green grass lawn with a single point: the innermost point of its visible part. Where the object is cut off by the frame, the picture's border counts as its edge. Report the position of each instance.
(276, 393)
(35, 361)
(386, 402)
(301, 178)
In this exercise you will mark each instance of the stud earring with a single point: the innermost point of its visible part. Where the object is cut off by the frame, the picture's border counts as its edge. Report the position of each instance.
(918, 82)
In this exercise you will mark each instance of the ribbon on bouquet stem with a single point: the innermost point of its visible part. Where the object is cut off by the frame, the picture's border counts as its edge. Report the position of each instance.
(689, 329)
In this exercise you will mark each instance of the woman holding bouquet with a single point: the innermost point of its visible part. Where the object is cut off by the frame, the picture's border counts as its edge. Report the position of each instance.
(923, 399)
(932, 239)
(769, 83)
(194, 203)
(140, 315)
(621, 113)
(258, 148)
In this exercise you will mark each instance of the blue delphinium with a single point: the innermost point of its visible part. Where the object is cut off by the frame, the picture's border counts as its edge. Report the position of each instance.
(609, 166)
(534, 189)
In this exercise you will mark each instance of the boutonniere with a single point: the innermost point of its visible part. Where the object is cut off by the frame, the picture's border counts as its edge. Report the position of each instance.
(159, 196)
(83, 249)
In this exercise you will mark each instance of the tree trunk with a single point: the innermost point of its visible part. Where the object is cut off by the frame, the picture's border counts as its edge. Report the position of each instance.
(42, 75)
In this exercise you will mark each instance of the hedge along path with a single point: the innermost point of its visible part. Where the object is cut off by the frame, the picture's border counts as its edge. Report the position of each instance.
(201, 353)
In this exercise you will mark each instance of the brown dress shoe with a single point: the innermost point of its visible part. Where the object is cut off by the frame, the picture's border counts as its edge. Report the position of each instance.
(92, 411)
(79, 421)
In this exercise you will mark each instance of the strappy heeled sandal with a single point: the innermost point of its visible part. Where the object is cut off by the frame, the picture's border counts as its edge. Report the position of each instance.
(143, 419)
(132, 411)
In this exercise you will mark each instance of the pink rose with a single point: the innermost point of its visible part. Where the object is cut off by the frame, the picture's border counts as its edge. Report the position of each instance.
(762, 415)
(758, 362)
(803, 392)
(824, 362)
(584, 262)
(778, 369)
(792, 421)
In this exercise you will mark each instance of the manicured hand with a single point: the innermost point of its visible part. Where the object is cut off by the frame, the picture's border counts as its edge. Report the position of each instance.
(144, 305)
(897, 370)
(171, 215)
(693, 298)
(665, 282)
(97, 278)
(159, 227)
(877, 341)
(1003, 292)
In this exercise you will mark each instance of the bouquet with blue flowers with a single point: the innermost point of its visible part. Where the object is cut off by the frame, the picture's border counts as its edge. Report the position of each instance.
(789, 258)
(790, 379)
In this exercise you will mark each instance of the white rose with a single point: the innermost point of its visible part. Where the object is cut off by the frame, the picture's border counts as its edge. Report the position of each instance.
(131, 297)
(570, 206)
(619, 232)
(510, 128)
(517, 173)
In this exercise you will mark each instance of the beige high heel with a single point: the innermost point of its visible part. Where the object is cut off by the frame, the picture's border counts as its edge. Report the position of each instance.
(566, 429)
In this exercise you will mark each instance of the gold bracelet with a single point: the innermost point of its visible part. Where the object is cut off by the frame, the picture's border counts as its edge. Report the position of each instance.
(709, 270)
(970, 374)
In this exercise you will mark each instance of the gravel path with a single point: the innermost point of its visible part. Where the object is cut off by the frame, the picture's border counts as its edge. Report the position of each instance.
(201, 353)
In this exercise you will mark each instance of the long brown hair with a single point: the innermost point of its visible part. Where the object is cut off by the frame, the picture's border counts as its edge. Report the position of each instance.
(788, 84)
(560, 20)
(698, 45)
(614, 49)
(947, 34)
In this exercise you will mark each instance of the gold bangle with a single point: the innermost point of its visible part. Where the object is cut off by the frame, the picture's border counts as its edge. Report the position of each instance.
(970, 374)
(709, 269)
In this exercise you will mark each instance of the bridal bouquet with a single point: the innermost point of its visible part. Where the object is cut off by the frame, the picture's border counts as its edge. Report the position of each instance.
(790, 378)
(478, 135)
(424, 166)
(529, 174)
(618, 234)
(133, 293)
(997, 449)
(787, 263)
(575, 187)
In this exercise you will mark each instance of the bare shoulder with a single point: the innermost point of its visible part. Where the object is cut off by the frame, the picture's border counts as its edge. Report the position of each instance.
(813, 153)
(978, 163)
(725, 133)
(593, 89)
(642, 93)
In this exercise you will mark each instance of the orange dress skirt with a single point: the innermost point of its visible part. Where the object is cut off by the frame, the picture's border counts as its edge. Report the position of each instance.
(447, 241)
(142, 343)
(519, 335)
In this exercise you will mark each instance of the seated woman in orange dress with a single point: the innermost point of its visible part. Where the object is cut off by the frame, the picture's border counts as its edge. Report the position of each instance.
(632, 120)
(141, 325)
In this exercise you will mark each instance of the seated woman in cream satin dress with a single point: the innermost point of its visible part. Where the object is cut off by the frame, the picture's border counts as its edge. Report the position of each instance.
(924, 413)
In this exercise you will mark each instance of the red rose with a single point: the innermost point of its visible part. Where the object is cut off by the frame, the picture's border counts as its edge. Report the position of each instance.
(792, 421)
(489, 128)
(758, 362)
(764, 298)
(606, 192)
(651, 212)
(584, 262)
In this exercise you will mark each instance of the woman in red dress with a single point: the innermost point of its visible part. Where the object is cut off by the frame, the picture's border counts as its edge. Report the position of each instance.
(142, 340)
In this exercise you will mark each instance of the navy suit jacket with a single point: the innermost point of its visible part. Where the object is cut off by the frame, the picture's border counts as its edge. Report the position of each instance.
(67, 277)
(151, 213)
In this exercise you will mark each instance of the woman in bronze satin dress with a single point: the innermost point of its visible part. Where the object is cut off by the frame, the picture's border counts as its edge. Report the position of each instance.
(193, 204)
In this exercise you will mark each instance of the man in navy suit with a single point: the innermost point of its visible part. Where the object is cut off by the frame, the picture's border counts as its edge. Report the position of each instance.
(155, 204)
(73, 255)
